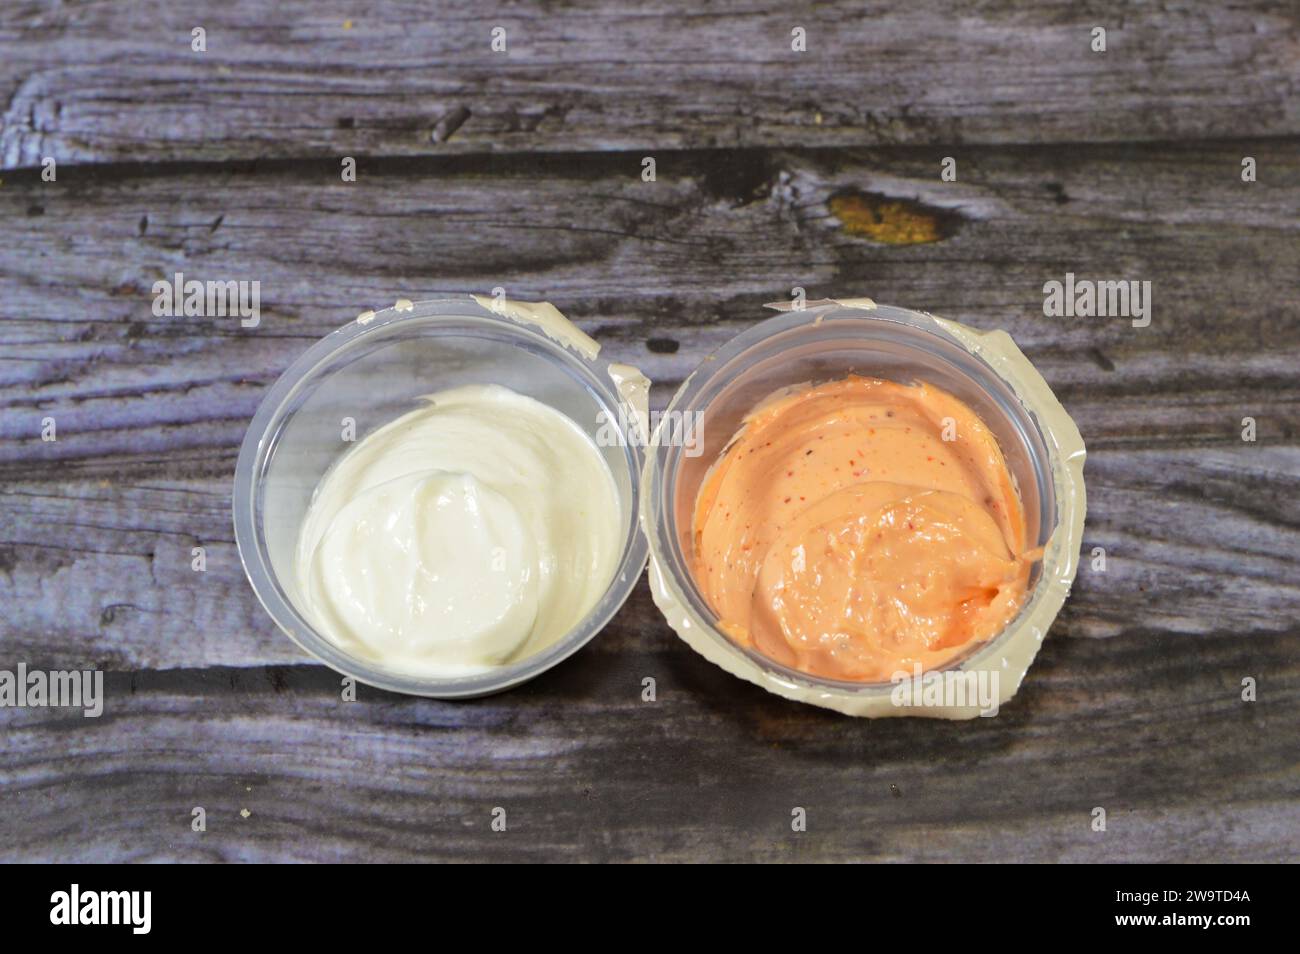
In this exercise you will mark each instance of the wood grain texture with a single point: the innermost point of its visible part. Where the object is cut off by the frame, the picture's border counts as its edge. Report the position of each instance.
(93, 81)
(151, 410)
(228, 168)
(587, 771)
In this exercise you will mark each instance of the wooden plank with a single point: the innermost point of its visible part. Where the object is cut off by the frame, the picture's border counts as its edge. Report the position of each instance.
(1201, 529)
(710, 770)
(91, 82)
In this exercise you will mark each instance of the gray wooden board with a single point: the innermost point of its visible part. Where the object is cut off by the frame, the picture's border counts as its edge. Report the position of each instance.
(121, 82)
(1134, 704)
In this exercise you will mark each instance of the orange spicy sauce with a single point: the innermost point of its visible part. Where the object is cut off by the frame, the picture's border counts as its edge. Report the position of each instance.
(842, 535)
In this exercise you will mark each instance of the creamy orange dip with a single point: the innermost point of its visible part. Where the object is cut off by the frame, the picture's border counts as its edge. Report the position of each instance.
(854, 529)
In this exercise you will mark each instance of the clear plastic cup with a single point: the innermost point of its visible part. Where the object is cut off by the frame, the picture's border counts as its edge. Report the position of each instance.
(828, 341)
(372, 371)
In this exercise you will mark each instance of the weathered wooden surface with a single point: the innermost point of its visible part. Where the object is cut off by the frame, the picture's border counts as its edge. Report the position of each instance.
(585, 770)
(1134, 703)
(120, 81)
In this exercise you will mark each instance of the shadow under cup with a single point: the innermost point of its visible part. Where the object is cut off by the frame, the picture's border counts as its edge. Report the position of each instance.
(362, 377)
(815, 346)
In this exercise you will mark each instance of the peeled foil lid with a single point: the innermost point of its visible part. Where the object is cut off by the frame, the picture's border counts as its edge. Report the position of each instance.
(999, 666)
